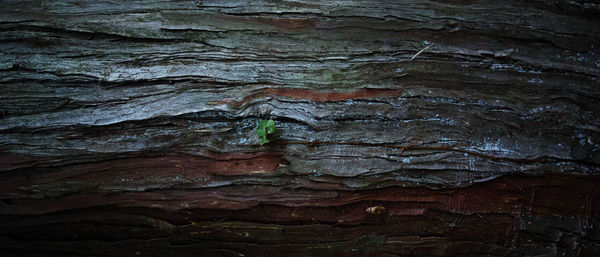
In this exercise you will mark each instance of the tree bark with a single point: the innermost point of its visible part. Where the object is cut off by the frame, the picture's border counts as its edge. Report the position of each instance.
(404, 128)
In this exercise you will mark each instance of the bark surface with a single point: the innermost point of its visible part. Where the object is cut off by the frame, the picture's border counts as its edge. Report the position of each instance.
(405, 128)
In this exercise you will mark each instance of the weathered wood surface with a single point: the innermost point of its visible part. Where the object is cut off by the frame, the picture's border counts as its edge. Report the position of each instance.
(128, 128)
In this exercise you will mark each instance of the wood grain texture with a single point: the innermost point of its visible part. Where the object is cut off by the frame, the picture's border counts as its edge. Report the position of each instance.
(128, 128)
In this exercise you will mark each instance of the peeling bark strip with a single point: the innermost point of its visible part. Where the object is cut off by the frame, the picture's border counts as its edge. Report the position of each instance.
(405, 128)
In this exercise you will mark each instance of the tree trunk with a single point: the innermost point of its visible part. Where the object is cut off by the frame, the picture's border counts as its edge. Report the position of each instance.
(404, 128)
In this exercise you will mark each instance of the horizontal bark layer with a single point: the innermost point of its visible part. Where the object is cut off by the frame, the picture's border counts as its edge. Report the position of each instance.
(510, 216)
(405, 128)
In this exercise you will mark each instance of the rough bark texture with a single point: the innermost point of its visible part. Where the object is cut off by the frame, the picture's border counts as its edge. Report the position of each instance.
(128, 128)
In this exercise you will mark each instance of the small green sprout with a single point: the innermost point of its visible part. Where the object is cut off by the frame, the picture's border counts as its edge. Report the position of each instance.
(265, 128)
